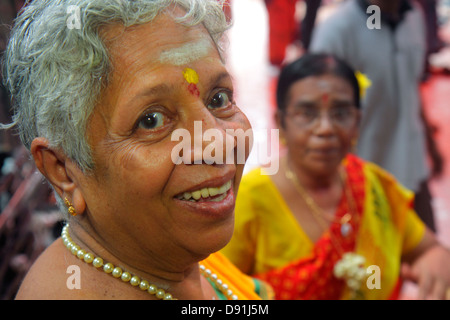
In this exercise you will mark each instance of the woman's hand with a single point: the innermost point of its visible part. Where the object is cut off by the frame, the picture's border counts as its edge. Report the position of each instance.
(431, 271)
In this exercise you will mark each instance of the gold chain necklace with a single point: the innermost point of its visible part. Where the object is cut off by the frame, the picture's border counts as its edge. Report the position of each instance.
(318, 214)
(134, 280)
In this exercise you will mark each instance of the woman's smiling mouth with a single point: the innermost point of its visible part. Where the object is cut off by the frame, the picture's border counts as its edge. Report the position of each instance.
(215, 194)
(217, 202)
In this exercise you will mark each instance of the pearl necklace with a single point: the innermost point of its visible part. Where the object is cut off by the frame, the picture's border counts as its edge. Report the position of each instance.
(134, 280)
(223, 287)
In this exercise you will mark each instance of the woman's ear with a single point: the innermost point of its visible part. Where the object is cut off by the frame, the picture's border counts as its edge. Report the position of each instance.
(58, 169)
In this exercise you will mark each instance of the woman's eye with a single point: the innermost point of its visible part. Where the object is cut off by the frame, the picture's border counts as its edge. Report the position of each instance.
(151, 121)
(306, 112)
(219, 100)
(341, 113)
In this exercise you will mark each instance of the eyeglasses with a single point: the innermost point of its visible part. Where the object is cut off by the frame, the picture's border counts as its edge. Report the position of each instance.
(307, 117)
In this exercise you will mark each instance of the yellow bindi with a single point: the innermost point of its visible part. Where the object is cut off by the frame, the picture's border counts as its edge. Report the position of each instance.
(191, 76)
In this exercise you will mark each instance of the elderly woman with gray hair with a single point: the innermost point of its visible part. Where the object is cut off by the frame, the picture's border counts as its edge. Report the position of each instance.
(99, 87)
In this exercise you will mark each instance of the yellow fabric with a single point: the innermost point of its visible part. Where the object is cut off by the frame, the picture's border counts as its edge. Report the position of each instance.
(264, 227)
(267, 236)
(389, 228)
(242, 285)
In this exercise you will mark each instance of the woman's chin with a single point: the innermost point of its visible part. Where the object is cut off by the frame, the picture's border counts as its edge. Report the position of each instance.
(215, 240)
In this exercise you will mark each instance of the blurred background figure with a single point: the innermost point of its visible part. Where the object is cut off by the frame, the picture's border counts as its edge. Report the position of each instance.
(28, 219)
(283, 28)
(308, 22)
(8, 11)
(291, 24)
(395, 132)
(433, 41)
(227, 9)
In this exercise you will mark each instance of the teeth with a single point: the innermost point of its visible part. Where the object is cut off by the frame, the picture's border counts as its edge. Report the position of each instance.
(207, 192)
(204, 192)
(196, 195)
(213, 191)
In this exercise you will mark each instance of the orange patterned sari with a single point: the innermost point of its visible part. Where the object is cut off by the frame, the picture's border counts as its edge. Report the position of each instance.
(243, 286)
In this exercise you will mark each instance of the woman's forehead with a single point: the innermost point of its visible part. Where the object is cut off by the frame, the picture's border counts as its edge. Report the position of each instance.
(140, 52)
(162, 40)
(186, 53)
(321, 84)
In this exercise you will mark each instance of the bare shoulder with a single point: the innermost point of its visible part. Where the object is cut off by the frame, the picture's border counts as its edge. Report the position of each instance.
(59, 275)
(50, 276)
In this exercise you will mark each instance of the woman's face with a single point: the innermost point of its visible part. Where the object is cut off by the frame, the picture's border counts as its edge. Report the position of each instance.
(165, 77)
(320, 123)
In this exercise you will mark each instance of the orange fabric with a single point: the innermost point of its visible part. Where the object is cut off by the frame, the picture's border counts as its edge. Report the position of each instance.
(312, 277)
(242, 285)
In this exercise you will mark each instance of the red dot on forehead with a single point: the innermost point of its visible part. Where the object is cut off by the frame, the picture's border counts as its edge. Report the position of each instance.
(192, 87)
(325, 98)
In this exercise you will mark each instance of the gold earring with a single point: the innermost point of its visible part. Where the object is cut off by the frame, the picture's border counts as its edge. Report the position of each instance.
(70, 208)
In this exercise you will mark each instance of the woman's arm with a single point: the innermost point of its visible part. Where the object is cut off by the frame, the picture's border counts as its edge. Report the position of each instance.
(428, 265)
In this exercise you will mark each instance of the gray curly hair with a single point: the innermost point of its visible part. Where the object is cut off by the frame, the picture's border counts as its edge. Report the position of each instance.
(55, 74)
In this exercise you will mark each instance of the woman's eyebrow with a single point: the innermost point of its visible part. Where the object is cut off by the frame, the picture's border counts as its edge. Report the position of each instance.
(155, 90)
(167, 89)
(342, 102)
(218, 78)
(162, 88)
(149, 92)
(305, 103)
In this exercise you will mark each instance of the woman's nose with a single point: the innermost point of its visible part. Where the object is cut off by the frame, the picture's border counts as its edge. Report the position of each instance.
(324, 124)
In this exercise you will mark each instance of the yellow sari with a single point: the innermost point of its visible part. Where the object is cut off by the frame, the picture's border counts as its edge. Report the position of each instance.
(269, 243)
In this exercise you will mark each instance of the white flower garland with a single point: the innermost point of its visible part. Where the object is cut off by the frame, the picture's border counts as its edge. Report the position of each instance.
(351, 269)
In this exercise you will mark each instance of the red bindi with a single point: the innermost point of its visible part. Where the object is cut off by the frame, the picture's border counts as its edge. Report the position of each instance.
(192, 87)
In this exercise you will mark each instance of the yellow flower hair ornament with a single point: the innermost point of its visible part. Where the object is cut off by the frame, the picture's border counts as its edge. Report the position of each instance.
(363, 82)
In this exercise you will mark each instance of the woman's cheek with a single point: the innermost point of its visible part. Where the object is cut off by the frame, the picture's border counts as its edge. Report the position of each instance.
(148, 166)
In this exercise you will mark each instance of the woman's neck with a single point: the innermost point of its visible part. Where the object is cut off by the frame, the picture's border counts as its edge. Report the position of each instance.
(181, 280)
(314, 182)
